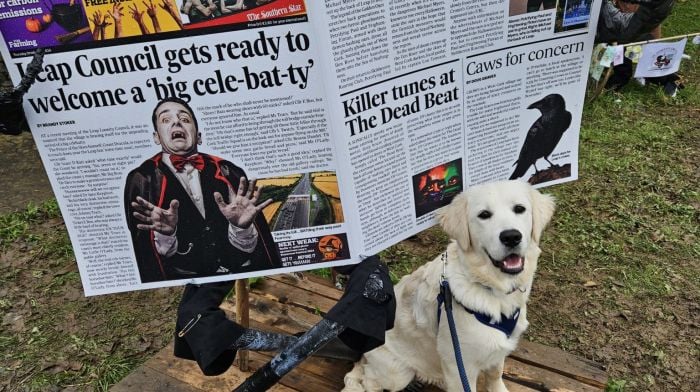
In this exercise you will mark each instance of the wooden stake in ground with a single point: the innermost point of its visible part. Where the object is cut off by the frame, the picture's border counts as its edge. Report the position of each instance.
(242, 317)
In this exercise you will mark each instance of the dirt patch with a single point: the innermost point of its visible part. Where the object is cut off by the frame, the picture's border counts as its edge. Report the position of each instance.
(654, 343)
(29, 181)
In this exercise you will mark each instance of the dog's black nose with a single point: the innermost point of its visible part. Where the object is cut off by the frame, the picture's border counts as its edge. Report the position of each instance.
(510, 238)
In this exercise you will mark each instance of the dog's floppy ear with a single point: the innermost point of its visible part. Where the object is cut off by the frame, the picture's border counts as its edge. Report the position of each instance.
(542, 211)
(453, 219)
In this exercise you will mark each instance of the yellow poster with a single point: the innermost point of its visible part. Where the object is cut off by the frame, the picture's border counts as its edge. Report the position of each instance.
(111, 19)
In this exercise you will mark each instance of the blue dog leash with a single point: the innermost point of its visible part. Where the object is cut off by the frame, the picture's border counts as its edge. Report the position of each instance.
(506, 325)
(445, 297)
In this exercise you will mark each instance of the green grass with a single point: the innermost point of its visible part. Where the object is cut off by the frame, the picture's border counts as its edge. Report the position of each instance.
(637, 198)
(615, 385)
(14, 226)
(684, 19)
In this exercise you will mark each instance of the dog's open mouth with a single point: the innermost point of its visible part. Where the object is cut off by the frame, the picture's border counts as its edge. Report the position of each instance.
(512, 264)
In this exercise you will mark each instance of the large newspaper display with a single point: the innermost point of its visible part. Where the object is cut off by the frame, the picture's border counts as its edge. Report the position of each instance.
(358, 120)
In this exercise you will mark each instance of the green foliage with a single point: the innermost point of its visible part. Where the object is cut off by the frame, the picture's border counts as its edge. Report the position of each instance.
(684, 19)
(276, 192)
(615, 385)
(324, 212)
(636, 201)
(255, 281)
(322, 272)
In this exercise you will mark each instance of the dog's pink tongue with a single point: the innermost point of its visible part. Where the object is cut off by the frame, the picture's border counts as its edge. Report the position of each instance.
(513, 262)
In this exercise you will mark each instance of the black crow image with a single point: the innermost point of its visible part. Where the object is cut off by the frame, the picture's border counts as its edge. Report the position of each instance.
(544, 134)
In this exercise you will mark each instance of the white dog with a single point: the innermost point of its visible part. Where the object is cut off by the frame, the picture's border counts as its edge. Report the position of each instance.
(489, 265)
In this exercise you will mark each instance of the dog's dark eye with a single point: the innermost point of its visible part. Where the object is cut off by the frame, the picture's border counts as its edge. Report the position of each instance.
(484, 214)
(518, 209)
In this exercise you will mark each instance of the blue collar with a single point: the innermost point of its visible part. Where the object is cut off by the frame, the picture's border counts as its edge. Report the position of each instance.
(506, 325)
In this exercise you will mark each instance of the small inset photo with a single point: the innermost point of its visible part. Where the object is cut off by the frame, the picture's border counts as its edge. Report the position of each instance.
(435, 188)
(312, 250)
(28, 25)
(206, 13)
(572, 15)
(302, 200)
(541, 141)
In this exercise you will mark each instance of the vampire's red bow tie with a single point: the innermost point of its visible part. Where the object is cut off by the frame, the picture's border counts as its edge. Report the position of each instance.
(179, 162)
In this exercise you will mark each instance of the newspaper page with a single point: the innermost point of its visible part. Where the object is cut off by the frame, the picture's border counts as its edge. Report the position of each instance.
(429, 98)
(153, 117)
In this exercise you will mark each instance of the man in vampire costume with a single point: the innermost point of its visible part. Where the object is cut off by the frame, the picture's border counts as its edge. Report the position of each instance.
(192, 214)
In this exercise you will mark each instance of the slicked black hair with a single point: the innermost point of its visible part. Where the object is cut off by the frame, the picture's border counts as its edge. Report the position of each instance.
(174, 100)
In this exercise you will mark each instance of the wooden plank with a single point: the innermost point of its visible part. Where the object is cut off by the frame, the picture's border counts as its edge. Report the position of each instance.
(520, 377)
(327, 282)
(334, 370)
(288, 304)
(532, 351)
(167, 366)
(163, 367)
(323, 367)
(535, 354)
(295, 319)
(315, 284)
(304, 380)
(481, 386)
(293, 296)
(513, 387)
(271, 313)
(561, 362)
(541, 379)
(147, 379)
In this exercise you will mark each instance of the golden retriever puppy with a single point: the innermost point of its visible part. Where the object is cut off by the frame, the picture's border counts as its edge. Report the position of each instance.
(490, 265)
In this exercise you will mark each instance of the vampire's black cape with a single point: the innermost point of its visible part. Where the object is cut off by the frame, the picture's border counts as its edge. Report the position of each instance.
(367, 307)
(203, 245)
(204, 333)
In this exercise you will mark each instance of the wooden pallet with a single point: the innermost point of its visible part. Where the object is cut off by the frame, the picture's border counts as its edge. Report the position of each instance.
(285, 303)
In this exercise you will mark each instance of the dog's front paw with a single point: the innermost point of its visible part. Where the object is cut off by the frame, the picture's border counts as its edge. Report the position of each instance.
(353, 380)
(497, 386)
(353, 387)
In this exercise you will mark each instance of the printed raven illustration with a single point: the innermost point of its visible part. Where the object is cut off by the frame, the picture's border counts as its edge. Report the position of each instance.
(544, 134)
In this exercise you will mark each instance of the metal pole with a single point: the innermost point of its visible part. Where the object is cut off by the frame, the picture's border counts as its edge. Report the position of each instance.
(661, 39)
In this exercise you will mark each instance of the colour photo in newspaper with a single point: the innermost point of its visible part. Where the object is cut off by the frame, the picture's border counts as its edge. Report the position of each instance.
(68, 25)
